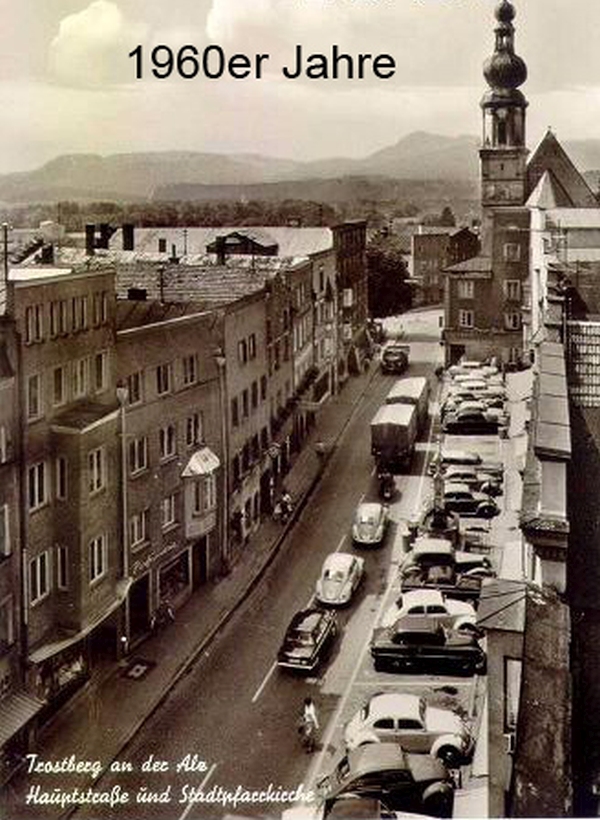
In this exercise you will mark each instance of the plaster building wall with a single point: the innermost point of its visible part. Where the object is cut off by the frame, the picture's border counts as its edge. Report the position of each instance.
(248, 417)
(173, 411)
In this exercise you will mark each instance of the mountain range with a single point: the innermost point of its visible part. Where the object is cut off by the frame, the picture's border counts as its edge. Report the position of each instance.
(171, 174)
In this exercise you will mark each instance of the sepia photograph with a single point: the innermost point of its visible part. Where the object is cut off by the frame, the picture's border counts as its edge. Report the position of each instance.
(299, 372)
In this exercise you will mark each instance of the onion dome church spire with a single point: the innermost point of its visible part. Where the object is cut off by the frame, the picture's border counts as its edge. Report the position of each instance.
(503, 153)
(503, 104)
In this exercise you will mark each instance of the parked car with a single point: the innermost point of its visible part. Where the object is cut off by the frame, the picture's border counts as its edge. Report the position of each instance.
(340, 577)
(419, 727)
(469, 422)
(370, 522)
(452, 456)
(462, 499)
(487, 483)
(308, 638)
(348, 807)
(407, 782)
(432, 603)
(419, 644)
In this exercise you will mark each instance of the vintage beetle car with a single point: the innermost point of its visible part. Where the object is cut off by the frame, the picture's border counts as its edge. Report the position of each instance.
(432, 603)
(370, 521)
(307, 640)
(418, 726)
(419, 644)
(488, 483)
(405, 782)
(461, 499)
(340, 577)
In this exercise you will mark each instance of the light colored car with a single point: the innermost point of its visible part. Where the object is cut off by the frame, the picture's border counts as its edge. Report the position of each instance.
(418, 727)
(454, 457)
(431, 602)
(340, 577)
(370, 521)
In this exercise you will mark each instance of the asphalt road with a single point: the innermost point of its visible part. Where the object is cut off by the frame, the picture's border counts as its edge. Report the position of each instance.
(232, 721)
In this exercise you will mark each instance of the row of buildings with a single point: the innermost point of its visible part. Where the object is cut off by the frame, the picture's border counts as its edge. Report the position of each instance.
(155, 387)
(530, 297)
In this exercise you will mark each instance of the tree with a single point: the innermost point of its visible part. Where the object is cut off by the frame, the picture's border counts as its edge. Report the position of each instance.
(389, 291)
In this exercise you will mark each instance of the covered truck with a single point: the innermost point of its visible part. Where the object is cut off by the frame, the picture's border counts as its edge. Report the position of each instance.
(393, 435)
(415, 391)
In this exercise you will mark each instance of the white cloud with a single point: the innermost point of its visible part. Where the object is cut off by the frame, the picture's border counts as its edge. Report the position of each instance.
(91, 46)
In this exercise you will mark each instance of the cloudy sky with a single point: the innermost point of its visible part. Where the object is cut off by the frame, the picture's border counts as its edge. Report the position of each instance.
(67, 84)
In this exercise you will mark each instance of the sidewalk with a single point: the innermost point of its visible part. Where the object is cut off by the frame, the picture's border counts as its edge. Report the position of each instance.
(101, 719)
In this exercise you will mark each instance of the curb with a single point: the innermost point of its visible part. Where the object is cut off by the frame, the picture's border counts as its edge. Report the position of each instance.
(205, 642)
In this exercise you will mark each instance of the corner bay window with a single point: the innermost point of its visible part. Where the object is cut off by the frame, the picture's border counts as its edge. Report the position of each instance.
(205, 494)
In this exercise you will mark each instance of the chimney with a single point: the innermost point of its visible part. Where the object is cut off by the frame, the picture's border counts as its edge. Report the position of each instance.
(90, 237)
(128, 237)
(220, 250)
(105, 232)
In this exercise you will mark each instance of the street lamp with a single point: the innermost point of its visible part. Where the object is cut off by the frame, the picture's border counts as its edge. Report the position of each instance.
(122, 396)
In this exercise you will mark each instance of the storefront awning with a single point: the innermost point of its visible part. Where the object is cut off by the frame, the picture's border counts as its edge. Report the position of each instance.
(203, 462)
(46, 651)
(16, 711)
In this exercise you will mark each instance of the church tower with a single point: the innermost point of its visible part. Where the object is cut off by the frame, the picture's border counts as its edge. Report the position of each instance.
(503, 155)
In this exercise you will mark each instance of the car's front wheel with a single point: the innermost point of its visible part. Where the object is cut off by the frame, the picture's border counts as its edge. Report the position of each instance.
(450, 756)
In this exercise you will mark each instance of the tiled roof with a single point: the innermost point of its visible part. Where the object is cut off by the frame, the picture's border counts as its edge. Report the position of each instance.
(477, 264)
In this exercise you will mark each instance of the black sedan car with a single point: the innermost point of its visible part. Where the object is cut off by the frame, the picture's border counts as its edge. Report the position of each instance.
(406, 782)
(307, 640)
(419, 644)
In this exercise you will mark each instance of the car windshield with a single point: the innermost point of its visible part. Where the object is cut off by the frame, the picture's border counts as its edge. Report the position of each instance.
(334, 575)
(300, 638)
(366, 518)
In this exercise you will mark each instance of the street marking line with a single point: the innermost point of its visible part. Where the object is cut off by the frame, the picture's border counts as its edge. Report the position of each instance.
(362, 498)
(265, 681)
(207, 777)
(342, 539)
(335, 720)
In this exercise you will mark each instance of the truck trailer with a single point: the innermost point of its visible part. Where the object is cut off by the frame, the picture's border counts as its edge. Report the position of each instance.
(414, 391)
(394, 432)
